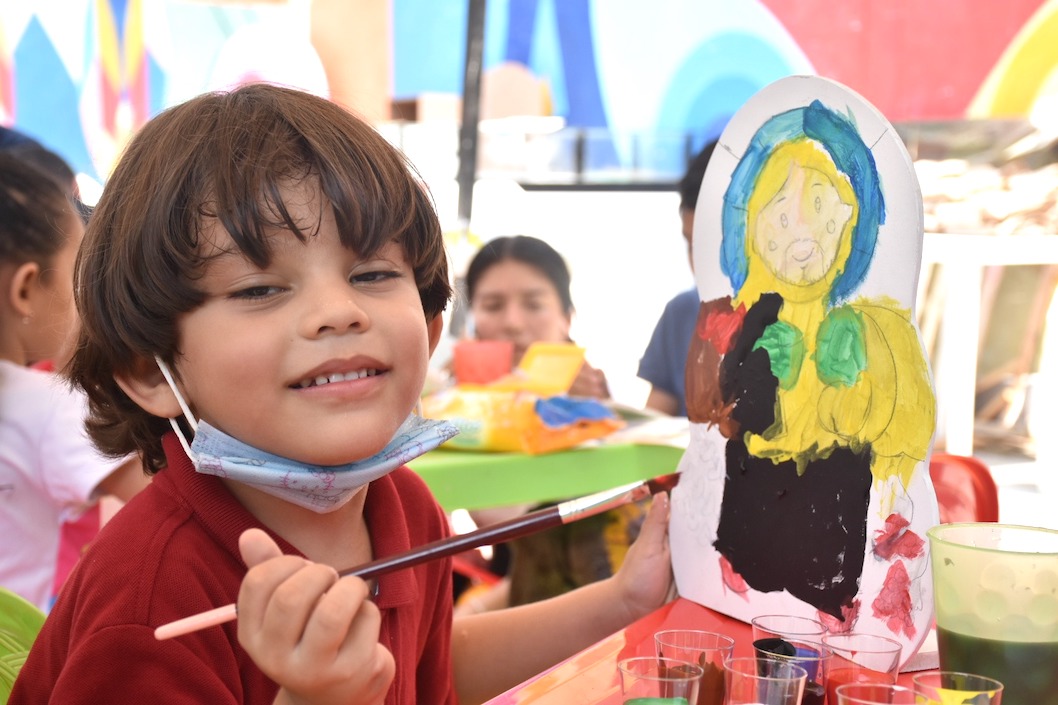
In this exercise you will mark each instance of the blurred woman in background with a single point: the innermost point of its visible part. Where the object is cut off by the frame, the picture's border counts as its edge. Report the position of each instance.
(519, 290)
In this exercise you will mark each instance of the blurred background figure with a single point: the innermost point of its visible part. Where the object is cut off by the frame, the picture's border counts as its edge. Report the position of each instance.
(49, 470)
(664, 361)
(518, 290)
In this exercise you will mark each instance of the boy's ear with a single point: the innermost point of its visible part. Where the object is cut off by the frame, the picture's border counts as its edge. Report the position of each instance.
(433, 328)
(145, 384)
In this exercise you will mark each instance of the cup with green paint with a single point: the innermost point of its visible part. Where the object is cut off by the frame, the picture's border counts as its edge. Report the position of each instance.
(646, 680)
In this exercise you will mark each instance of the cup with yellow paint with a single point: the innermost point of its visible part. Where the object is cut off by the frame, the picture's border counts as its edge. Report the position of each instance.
(953, 688)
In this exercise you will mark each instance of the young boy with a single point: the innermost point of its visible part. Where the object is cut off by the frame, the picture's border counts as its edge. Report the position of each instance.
(265, 267)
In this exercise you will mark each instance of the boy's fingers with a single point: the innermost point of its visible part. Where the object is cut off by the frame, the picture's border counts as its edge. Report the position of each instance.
(275, 601)
(293, 601)
(256, 547)
(333, 616)
(658, 517)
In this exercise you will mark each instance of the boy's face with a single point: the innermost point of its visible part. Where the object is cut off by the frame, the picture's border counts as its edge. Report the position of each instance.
(319, 357)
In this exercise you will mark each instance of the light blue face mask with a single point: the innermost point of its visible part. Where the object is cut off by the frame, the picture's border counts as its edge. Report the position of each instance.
(321, 488)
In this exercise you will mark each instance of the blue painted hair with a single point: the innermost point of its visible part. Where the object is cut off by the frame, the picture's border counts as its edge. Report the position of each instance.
(839, 136)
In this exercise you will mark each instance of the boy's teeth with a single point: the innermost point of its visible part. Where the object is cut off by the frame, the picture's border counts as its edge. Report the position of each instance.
(339, 377)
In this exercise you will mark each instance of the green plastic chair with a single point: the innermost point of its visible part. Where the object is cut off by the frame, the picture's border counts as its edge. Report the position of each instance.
(20, 621)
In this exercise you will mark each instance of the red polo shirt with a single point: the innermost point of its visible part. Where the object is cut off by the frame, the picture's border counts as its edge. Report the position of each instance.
(173, 552)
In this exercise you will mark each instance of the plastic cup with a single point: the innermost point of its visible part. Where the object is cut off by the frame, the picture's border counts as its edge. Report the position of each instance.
(787, 626)
(708, 649)
(659, 681)
(809, 655)
(763, 681)
(874, 694)
(951, 688)
(996, 595)
(857, 657)
(482, 361)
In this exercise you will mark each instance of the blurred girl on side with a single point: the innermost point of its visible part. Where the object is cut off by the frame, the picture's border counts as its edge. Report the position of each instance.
(49, 470)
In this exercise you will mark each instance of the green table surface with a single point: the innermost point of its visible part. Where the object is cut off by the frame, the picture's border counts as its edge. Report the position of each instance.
(476, 480)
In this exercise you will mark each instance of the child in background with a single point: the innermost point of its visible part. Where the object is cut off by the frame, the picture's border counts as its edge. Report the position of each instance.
(49, 469)
(263, 267)
(664, 362)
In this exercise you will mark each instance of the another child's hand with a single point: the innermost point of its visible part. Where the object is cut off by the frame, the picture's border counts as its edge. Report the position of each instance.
(590, 382)
(645, 577)
(312, 633)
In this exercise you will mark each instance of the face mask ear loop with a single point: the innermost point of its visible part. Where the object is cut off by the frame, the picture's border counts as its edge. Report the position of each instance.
(180, 437)
(167, 373)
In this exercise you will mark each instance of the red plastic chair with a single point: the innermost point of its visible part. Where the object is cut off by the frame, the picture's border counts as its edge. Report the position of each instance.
(965, 488)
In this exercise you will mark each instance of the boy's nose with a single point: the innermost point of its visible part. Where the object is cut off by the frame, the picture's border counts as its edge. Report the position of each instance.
(335, 307)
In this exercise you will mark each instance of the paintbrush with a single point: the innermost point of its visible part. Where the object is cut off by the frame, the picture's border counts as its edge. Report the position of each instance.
(530, 523)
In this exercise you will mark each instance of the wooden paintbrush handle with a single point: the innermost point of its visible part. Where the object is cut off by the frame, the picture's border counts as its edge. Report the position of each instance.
(485, 536)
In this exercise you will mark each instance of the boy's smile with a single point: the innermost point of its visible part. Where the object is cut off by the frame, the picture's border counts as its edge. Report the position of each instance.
(319, 356)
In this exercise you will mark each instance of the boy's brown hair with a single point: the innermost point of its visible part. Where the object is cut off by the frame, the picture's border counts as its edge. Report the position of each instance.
(226, 158)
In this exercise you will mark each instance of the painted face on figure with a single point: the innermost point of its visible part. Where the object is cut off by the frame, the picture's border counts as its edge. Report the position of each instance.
(515, 301)
(318, 357)
(799, 230)
(53, 322)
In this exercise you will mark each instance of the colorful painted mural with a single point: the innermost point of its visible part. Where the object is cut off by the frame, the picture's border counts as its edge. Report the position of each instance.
(82, 74)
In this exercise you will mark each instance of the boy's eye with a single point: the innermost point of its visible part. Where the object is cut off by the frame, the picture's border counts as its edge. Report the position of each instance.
(373, 277)
(255, 292)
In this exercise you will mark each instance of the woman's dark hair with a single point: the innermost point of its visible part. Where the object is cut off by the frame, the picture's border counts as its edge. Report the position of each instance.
(33, 213)
(528, 250)
(227, 159)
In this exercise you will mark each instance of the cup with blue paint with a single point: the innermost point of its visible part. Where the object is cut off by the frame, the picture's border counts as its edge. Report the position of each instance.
(763, 681)
(809, 655)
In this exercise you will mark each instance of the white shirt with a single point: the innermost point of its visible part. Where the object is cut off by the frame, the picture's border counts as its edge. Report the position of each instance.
(49, 470)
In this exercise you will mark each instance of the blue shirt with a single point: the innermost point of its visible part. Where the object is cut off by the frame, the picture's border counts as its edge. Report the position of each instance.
(664, 362)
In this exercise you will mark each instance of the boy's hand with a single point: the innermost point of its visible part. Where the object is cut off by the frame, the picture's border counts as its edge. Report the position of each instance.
(312, 633)
(645, 577)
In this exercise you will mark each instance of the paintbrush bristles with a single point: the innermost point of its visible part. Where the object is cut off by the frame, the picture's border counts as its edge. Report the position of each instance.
(599, 502)
(665, 483)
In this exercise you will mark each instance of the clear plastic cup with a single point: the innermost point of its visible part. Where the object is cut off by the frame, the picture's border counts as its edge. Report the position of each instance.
(946, 687)
(708, 649)
(647, 680)
(996, 596)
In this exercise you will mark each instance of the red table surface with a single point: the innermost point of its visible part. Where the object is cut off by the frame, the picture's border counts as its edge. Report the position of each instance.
(590, 677)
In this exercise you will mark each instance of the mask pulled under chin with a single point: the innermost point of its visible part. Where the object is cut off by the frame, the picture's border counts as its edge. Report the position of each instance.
(321, 488)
